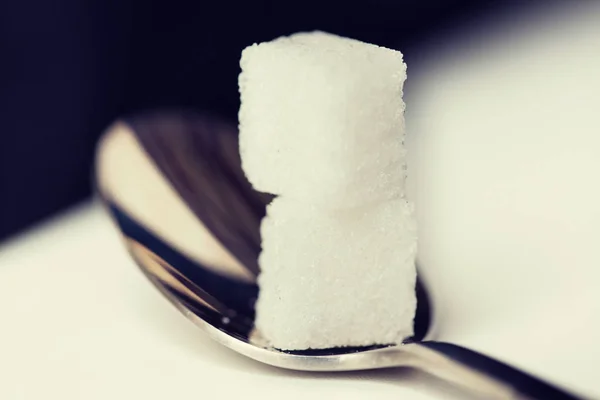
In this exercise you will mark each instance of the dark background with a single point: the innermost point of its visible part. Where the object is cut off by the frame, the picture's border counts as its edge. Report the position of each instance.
(70, 67)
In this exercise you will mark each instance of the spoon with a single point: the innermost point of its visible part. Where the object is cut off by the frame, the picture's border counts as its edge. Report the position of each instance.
(197, 157)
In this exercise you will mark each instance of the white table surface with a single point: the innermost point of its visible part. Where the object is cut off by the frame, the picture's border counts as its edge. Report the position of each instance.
(505, 147)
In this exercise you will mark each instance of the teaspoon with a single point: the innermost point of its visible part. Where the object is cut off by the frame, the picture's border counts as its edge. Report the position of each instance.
(197, 156)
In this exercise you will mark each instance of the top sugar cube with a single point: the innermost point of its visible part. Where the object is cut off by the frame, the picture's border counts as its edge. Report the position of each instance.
(322, 115)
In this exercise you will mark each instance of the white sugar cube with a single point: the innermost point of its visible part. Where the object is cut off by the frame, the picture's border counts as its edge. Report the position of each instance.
(344, 278)
(321, 114)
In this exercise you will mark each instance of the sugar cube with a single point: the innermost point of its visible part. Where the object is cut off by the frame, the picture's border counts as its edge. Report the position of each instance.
(336, 278)
(321, 114)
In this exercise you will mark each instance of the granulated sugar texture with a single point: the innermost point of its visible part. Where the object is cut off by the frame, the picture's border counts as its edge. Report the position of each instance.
(322, 116)
(336, 278)
(322, 127)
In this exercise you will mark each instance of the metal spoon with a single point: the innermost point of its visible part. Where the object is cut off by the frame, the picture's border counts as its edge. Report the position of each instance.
(198, 157)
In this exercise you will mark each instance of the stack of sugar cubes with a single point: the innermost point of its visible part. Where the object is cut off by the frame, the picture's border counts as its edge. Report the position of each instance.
(322, 127)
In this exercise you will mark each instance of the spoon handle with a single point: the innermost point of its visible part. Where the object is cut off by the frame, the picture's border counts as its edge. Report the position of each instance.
(480, 372)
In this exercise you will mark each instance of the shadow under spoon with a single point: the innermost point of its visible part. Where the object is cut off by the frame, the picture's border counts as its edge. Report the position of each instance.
(198, 156)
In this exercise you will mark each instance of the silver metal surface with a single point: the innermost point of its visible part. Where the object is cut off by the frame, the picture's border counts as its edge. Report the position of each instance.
(168, 177)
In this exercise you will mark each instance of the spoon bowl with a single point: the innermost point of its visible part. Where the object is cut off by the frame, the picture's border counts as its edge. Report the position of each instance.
(197, 156)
